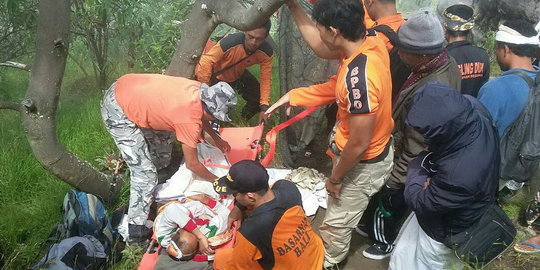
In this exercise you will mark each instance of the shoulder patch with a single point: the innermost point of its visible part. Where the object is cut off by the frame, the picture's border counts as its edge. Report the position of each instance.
(231, 40)
(371, 32)
(266, 48)
(356, 83)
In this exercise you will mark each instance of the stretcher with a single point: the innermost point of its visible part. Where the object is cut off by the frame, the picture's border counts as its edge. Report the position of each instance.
(245, 144)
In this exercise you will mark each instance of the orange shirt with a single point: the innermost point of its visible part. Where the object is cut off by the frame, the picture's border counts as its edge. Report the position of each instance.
(395, 21)
(277, 235)
(229, 51)
(362, 85)
(162, 103)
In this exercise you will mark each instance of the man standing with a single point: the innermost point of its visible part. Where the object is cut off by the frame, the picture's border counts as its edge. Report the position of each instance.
(452, 184)
(387, 23)
(506, 96)
(473, 62)
(227, 61)
(420, 48)
(384, 12)
(362, 89)
(277, 234)
(142, 112)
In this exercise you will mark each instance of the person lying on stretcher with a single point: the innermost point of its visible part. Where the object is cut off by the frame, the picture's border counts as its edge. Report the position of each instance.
(182, 228)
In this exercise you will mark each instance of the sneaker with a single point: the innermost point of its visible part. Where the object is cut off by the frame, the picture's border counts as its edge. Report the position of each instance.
(362, 230)
(532, 212)
(376, 252)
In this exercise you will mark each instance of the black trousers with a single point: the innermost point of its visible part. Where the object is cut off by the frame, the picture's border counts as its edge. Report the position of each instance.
(384, 216)
(249, 88)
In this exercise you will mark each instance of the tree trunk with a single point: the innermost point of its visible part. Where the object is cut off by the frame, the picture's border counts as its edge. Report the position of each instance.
(205, 15)
(299, 66)
(41, 101)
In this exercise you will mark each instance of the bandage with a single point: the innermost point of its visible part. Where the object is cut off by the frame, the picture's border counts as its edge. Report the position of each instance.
(509, 35)
(179, 254)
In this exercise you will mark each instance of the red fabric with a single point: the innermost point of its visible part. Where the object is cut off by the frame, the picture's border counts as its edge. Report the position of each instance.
(190, 226)
(211, 203)
(272, 134)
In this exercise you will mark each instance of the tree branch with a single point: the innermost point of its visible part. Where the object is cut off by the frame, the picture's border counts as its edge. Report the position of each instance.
(11, 106)
(234, 14)
(15, 65)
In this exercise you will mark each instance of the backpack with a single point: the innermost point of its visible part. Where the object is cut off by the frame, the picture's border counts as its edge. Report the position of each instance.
(399, 71)
(74, 253)
(520, 143)
(83, 214)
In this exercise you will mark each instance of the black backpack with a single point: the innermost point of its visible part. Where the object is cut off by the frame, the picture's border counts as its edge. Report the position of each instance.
(399, 71)
(520, 143)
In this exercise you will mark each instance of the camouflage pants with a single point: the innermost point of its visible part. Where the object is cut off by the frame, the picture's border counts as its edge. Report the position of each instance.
(144, 151)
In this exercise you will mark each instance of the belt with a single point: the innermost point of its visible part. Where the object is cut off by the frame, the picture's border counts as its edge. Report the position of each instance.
(380, 157)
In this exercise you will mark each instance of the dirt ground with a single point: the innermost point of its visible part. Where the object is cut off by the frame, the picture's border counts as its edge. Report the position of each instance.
(355, 259)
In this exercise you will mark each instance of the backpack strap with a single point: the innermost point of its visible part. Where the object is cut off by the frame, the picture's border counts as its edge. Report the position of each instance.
(388, 32)
(526, 78)
(215, 74)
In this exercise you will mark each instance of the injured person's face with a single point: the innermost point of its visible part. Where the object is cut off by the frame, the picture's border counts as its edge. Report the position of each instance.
(187, 244)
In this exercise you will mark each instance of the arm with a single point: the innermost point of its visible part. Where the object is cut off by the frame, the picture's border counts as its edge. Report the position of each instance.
(220, 143)
(203, 242)
(266, 80)
(193, 163)
(309, 32)
(315, 95)
(206, 64)
(361, 129)
(435, 196)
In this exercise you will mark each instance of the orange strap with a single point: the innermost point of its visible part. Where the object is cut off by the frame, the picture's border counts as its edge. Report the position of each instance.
(208, 163)
(271, 136)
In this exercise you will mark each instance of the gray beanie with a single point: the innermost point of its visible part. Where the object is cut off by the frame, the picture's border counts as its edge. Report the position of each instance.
(421, 34)
(219, 99)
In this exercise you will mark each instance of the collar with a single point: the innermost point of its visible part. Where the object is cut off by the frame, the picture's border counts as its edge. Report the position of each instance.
(398, 17)
(456, 44)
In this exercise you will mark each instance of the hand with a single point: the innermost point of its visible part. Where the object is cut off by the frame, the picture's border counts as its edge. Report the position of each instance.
(222, 145)
(333, 189)
(234, 215)
(284, 100)
(263, 118)
(426, 184)
(204, 247)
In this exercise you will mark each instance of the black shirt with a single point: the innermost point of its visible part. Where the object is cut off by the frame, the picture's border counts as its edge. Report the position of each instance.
(473, 63)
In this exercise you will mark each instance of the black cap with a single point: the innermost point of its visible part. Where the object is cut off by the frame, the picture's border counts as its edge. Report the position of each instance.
(244, 176)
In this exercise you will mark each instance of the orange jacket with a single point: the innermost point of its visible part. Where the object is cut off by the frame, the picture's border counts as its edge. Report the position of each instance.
(277, 235)
(229, 51)
(362, 85)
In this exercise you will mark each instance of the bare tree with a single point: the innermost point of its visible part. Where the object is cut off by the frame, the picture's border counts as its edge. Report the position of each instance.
(38, 109)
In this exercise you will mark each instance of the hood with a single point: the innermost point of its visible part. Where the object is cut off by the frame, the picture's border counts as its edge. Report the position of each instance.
(445, 118)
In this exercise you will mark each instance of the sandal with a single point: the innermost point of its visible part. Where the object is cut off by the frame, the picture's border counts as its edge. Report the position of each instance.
(525, 247)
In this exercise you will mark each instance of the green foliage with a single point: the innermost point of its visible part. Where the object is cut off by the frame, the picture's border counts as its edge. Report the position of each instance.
(489, 45)
(17, 27)
(160, 29)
